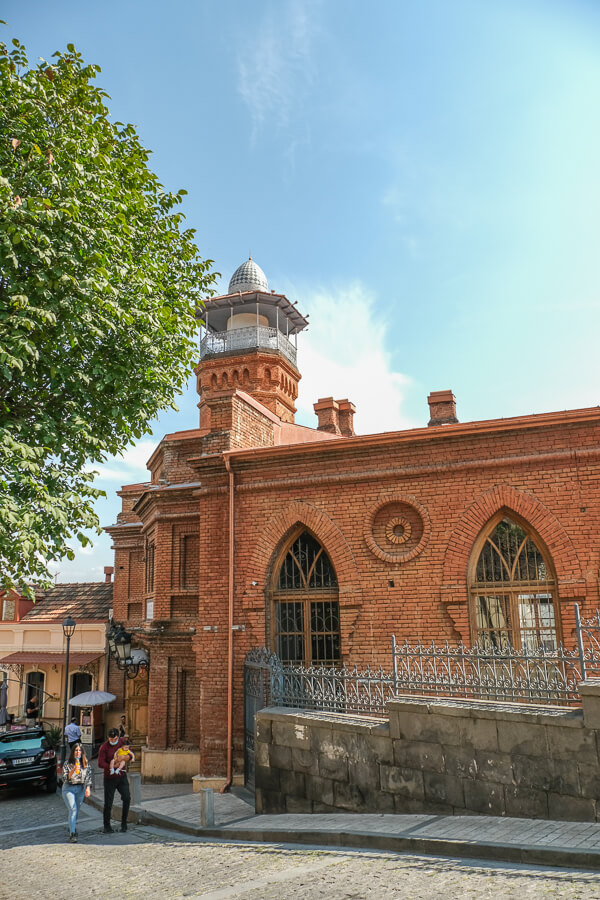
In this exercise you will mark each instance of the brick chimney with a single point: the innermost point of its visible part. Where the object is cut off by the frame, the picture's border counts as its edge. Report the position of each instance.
(442, 408)
(346, 417)
(328, 415)
(108, 574)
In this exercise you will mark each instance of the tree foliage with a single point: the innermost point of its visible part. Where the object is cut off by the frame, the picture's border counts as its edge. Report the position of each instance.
(99, 284)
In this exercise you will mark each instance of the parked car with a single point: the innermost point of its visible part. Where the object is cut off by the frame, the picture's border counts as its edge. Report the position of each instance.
(27, 757)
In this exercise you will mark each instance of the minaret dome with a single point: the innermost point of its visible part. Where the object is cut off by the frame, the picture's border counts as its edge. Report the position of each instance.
(249, 344)
(248, 277)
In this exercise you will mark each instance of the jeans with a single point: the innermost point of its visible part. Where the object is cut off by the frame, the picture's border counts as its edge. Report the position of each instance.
(73, 795)
(120, 784)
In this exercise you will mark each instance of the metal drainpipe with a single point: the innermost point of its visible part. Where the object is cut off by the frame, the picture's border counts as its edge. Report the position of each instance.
(227, 784)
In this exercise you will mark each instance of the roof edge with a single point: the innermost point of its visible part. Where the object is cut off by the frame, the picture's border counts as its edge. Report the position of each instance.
(426, 433)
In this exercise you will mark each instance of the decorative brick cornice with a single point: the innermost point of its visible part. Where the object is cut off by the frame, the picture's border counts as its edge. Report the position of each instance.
(571, 582)
(325, 530)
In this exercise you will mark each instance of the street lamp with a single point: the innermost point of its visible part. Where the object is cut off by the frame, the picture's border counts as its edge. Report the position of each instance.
(68, 628)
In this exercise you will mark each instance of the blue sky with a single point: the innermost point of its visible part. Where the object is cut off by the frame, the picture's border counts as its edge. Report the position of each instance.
(422, 177)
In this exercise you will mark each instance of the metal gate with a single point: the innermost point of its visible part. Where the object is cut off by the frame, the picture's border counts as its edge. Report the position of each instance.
(258, 679)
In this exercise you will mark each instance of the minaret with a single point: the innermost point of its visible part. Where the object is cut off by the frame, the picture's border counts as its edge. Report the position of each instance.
(249, 343)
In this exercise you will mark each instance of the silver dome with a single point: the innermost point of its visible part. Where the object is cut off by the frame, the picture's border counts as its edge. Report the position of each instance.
(248, 277)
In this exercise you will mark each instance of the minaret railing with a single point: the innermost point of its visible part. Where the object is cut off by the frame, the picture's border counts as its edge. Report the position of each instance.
(260, 337)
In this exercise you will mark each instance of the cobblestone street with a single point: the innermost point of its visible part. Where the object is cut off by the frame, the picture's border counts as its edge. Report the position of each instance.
(36, 862)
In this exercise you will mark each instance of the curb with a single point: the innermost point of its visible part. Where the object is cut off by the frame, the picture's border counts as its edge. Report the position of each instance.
(563, 857)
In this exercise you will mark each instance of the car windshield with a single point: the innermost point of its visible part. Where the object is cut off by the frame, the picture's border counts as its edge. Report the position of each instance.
(21, 742)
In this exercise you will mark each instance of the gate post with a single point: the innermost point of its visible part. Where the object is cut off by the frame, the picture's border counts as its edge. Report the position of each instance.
(395, 664)
(580, 641)
(260, 690)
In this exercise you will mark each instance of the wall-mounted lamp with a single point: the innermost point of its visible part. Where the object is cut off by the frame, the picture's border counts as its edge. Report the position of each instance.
(128, 659)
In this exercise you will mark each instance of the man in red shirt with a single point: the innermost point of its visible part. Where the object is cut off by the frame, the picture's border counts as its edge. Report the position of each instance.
(112, 783)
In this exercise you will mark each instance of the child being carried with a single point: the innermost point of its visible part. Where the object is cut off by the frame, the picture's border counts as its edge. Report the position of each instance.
(123, 756)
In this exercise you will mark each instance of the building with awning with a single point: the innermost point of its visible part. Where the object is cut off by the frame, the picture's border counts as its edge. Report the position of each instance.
(39, 657)
(33, 647)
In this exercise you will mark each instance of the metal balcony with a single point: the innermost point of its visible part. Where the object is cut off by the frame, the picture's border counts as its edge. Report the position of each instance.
(256, 337)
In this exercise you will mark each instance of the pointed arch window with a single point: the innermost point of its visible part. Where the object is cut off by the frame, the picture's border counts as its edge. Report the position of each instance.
(306, 620)
(513, 591)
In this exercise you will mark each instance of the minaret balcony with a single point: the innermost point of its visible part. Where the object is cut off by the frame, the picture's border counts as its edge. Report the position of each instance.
(237, 340)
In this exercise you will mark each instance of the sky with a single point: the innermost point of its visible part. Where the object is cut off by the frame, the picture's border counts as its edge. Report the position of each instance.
(422, 177)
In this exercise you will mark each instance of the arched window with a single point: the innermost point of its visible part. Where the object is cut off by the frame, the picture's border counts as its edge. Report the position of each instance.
(306, 620)
(512, 591)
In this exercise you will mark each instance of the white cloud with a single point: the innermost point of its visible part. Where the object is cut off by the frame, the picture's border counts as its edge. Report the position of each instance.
(130, 467)
(343, 354)
(89, 562)
(275, 65)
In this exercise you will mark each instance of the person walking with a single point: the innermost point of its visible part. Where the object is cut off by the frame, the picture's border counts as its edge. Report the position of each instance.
(77, 780)
(73, 733)
(113, 782)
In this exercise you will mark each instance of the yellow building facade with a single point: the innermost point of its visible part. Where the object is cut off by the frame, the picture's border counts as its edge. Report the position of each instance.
(33, 648)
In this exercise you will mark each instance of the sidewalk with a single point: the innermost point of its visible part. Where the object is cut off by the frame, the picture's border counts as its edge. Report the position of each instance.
(542, 842)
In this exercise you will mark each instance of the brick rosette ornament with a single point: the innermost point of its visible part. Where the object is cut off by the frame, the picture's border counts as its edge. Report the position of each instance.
(397, 528)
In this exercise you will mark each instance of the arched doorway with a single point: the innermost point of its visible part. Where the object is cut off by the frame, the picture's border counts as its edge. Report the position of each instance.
(305, 610)
(34, 687)
(81, 682)
(512, 589)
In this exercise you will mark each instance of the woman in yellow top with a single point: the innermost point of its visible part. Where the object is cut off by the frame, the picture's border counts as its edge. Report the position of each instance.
(77, 780)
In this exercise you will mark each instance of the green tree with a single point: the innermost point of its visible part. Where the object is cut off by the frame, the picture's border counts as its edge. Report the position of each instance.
(99, 286)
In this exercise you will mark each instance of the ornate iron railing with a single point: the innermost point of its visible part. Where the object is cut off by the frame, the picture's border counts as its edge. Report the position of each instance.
(519, 676)
(526, 675)
(262, 337)
(333, 689)
(588, 642)
(509, 675)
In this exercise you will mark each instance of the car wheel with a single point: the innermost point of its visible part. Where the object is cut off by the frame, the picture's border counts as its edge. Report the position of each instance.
(51, 786)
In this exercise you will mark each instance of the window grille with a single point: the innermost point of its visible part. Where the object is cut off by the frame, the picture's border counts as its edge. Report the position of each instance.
(512, 593)
(307, 614)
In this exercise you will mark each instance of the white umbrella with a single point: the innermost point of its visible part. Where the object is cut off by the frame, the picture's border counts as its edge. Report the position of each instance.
(92, 698)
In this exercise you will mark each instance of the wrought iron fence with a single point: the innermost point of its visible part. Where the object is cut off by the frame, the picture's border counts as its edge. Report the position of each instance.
(333, 689)
(588, 643)
(509, 675)
(520, 676)
(526, 675)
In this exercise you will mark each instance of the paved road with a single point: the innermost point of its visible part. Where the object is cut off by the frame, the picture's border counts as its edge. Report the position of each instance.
(37, 862)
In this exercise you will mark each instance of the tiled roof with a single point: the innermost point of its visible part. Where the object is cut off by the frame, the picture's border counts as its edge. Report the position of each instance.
(81, 601)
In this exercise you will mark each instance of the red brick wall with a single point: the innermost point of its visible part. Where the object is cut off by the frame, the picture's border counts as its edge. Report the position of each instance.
(445, 484)
(116, 685)
(267, 376)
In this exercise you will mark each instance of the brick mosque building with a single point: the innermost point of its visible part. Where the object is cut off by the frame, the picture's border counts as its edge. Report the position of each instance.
(319, 544)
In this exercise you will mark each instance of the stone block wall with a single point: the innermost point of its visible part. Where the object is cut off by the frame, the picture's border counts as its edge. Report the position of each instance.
(434, 756)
